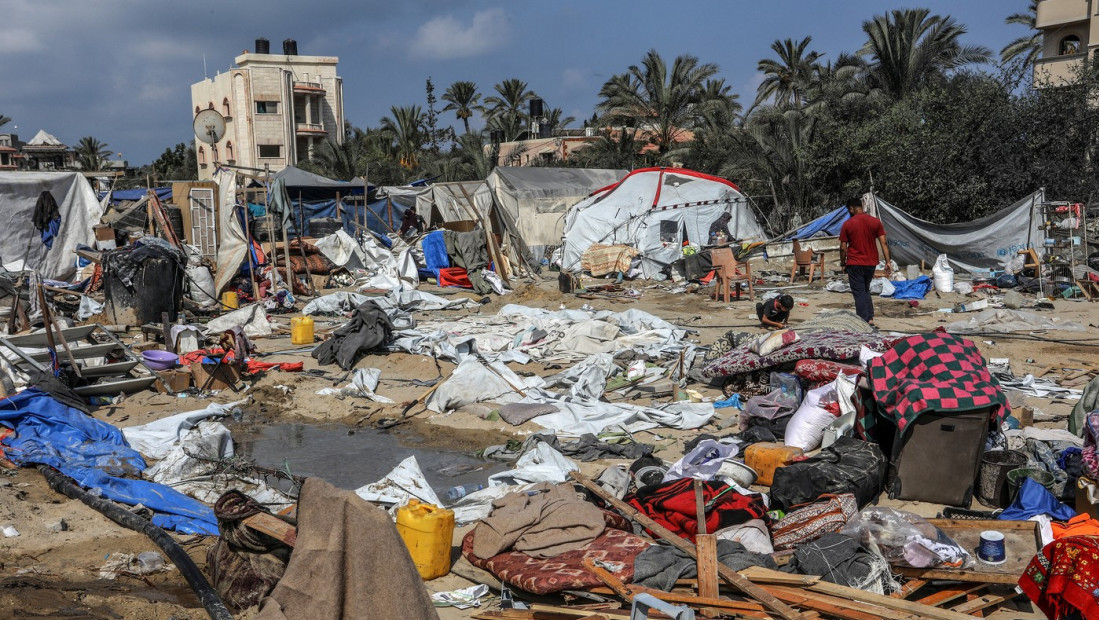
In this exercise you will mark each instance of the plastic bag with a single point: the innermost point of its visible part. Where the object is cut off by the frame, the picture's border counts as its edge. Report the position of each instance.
(943, 274)
(775, 404)
(906, 539)
(806, 428)
(703, 462)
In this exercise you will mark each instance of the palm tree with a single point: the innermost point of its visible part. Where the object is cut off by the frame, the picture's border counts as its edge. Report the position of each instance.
(341, 161)
(4, 120)
(667, 103)
(505, 109)
(555, 119)
(92, 154)
(1026, 47)
(468, 160)
(619, 149)
(787, 77)
(464, 100)
(406, 131)
(908, 47)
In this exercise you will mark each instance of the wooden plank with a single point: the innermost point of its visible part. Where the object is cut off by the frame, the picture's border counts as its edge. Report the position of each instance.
(708, 583)
(273, 527)
(947, 595)
(726, 573)
(833, 606)
(979, 604)
(958, 575)
(909, 588)
(576, 612)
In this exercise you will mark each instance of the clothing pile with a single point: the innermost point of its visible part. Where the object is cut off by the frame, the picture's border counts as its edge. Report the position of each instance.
(368, 329)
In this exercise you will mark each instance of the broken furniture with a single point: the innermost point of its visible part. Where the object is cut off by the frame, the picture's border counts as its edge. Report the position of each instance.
(107, 367)
(728, 273)
(937, 457)
(806, 258)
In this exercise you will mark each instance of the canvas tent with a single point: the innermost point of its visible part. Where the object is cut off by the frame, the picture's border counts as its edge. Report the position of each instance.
(982, 244)
(79, 210)
(312, 196)
(656, 210)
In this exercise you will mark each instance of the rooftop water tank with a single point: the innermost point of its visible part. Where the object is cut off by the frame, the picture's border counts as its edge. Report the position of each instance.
(263, 46)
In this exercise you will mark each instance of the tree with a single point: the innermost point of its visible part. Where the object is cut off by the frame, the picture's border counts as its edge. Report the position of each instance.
(91, 154)
(341, 161)
(468, 160)
(4, 120)
(177, 163)
(909, 47)
(651, 97)
(431, 120)
(406, 130)
(1025, 48)
(555, 119)
(615, 149)
(463, 99)
(505, 110)
(787, 78)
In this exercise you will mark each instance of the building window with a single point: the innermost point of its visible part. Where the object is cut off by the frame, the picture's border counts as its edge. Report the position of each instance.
(270, 150)
(225, 107)
(267, 107)
(229, 151)
(1070, 45)
(201, 156)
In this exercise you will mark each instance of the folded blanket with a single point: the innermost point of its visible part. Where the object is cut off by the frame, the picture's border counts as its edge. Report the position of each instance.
(544, 521)
(661, 565)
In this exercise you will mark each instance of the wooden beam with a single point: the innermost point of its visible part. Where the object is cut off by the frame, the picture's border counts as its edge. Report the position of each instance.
(909, 588)
(708, 583)
(274, 527)
(942, 597)
(979, 604)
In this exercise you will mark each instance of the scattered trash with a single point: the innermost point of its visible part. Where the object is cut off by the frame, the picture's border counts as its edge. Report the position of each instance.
(461, 599)
(9, 531)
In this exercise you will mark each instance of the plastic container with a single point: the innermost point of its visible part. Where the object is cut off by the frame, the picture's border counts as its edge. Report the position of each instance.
(1015, 479)
(458, 492)
(992, 488)
(229, 300)
(160, 360)
(766, 457)
(913, 272)
(301, 330)
(427, 531)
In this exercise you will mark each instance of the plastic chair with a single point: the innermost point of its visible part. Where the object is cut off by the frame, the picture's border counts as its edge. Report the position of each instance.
(728, 273)
(806, 258)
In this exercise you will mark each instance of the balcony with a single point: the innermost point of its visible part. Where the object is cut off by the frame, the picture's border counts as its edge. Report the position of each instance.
(310, 129)
(1057, 70)
(309, 88)
(1059, 12)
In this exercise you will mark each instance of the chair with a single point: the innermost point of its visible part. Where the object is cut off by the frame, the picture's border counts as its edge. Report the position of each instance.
(727, 272)
(806, 258)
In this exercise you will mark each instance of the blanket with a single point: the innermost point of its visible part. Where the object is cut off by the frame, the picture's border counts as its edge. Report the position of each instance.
(936, 372)
(348, 562)
(368, 329)
(1064, 578)
(599, 259)
(672, 505)
(832, 345)
(543, 521)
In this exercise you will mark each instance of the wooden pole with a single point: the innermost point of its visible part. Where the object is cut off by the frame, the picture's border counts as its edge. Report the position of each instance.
(490, 241)
(729, 575)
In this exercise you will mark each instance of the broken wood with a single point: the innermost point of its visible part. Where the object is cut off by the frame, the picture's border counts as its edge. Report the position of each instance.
(729, 575)
(274, 527)
(708, 583)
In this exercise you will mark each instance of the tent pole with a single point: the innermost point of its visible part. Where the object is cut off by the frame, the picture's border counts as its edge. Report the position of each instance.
(273, 252)
(301, 248)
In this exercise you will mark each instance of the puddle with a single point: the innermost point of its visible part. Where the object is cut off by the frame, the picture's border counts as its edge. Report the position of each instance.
(351, 460)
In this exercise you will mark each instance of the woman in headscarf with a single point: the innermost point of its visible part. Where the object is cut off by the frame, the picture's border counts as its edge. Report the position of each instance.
(721, 226)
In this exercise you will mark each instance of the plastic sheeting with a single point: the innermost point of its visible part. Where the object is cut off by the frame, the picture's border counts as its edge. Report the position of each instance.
(536, 199)
(827, 225)
(232, 243)
(95, 455)
(157, 438)
(403, 482)
(1004, 320)
(79, 210)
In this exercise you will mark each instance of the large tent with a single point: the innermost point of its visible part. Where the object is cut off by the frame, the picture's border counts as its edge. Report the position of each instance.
(21, 245)
(311, 196)
(655, 210)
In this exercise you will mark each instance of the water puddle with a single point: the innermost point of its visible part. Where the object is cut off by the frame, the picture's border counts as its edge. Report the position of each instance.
(351, 460)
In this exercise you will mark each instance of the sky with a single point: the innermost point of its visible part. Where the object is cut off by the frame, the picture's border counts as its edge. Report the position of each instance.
(121, 70)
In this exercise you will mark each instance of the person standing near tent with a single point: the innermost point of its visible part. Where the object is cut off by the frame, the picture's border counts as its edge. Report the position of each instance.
(859, 238)
(411, 224)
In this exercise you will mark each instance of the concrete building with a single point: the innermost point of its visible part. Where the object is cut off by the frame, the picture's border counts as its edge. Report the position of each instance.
(9, 151)
(1070, 32)
(278, 109)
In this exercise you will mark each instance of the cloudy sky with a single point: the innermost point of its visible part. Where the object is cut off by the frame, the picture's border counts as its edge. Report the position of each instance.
(121, 70)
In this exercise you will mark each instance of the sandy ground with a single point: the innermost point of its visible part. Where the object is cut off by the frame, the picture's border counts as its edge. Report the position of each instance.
(47, 573)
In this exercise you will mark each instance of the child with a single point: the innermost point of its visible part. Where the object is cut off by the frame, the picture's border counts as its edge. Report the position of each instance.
(774, 313)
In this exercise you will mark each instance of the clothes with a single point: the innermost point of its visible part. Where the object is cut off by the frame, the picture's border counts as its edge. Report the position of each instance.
(1080, 525)
(468, 251)
(859, 277)
(860, 233)
(543, 521)
(125, 262)
(771, 310)
(672, 505)
(46, 218)
(1064, 578)
(348, 562)
(842, 560)
(368, 329)
(661, 565)
(588, 448)
(847, 466)
(244, 565)
(1035, 499)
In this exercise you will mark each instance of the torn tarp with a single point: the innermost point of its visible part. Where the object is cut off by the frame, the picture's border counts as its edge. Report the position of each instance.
(404, 481)
(1003, 320)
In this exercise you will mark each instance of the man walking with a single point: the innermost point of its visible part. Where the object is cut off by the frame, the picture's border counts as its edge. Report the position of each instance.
(859, 238)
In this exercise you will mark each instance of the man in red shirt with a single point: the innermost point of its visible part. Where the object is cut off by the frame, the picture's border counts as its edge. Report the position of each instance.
(859, 238)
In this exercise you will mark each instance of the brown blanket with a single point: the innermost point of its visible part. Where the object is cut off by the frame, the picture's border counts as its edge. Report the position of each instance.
(543, 522)
(349, 562)
(603, 259)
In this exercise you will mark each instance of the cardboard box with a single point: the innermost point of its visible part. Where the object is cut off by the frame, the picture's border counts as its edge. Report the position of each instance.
(224, 375)
(173, 381)
(103, 232)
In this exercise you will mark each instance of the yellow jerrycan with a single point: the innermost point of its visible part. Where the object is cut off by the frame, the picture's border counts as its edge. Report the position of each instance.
(427, 531)
(301, 330)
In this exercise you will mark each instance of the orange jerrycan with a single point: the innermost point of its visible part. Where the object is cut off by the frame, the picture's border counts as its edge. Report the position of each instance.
(767, 456)
(427, 531)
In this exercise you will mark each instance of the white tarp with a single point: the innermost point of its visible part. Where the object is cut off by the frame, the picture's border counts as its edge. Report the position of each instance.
(536, 199)
(79, 209)
(232, 243)
(656, 210)
(982, 244)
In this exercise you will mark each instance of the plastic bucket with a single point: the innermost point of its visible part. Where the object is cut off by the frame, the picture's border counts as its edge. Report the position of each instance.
(992, 488)
(1015, 479)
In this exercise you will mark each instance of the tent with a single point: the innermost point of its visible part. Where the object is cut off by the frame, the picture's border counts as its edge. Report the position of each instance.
(313, 196)
(79, 210)
(827, 225)
(656, 210)
(979, 245)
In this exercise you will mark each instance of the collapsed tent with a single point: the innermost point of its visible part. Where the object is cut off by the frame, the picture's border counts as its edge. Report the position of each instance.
(982, 244)
(827, 225)
(22, 246)
(656, 210)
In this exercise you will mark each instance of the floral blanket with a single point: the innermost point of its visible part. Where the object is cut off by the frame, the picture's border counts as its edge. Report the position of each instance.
(830, 345)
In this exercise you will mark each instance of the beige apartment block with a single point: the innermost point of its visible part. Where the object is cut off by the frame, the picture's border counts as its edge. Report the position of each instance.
(278, 109)
(1070, 32)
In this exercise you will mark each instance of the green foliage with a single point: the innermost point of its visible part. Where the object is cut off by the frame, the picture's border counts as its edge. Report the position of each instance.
(177, 163)
(463, 99)
(91, 154)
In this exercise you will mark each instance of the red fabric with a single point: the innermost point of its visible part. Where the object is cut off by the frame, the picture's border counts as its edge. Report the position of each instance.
(824, 370)
(1064, 577)
(672, 505)
(454, 276)
(195, 357)
(861, 234)
(252, 366)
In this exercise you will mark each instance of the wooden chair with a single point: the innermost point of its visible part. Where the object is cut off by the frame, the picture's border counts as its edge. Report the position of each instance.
(807, 258)
(727, 271)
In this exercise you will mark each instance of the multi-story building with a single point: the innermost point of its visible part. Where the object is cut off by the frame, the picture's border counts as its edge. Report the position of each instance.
(9, 151)
(1070, 32)
(278, 109)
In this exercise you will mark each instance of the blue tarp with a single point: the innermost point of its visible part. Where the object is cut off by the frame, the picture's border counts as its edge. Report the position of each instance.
(828, 224)
(912, 289)
(1035, 499)
(117, 196)
(435, 256)
(95, 455)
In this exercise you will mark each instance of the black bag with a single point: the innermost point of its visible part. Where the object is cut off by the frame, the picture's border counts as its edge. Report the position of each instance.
(847, 466)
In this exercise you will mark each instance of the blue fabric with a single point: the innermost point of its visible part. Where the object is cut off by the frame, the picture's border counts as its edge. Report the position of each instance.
(912, 289)
(95, 455)
(732, 401)
(1035, 499)
(255, 210)
(50, 233)
(829, 224)
(435, 255)
(117, 196)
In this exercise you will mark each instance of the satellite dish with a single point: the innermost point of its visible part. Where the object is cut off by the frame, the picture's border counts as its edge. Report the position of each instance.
(209, 126)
